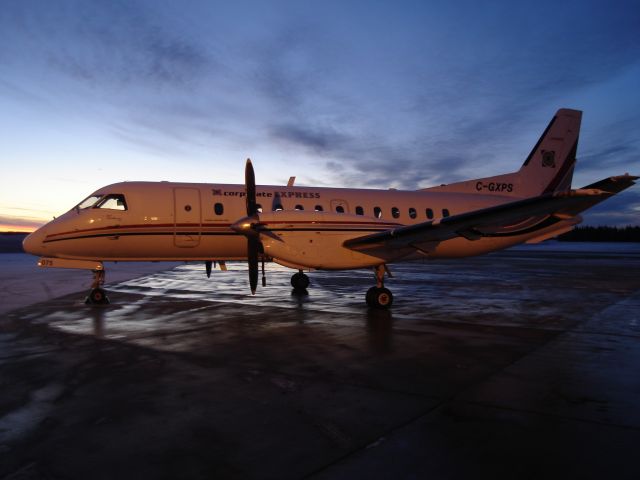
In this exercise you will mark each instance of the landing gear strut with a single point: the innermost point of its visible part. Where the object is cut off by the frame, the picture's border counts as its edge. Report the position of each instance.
(378, 296)
(97, 296)
(299, 281)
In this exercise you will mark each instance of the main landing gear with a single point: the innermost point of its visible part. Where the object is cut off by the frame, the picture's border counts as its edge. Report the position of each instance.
(97, 296)
(299, 282)
(378, 296)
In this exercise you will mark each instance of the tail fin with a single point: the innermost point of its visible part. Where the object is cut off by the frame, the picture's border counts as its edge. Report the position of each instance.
(548, 168)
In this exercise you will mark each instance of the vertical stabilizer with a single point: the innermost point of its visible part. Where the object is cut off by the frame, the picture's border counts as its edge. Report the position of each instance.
(548, 168)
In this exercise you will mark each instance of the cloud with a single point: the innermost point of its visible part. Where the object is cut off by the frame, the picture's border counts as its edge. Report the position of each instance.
(116, 45)
(611, 156)
(317, 140)
(614, 145)
(373, 97)
(464, 111)
(85, 56)
(621, 210)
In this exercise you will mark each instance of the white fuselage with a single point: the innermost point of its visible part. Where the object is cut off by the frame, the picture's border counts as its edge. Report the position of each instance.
(192, 221)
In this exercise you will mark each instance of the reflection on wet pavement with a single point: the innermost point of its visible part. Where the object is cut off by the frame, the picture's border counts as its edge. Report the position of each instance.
(479, 364)
(503, 290)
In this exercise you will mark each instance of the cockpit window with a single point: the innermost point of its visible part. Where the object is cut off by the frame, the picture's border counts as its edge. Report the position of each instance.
(88, 202)
(115, 201)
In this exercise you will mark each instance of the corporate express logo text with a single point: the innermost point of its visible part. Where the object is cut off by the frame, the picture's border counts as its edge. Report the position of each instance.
(236, 193)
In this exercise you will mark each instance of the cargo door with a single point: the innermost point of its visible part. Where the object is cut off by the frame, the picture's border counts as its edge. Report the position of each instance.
(188, 220)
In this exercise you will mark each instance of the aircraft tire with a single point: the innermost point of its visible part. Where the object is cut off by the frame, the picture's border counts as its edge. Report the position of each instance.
(97, 296)
(299, 281)
(381, 298)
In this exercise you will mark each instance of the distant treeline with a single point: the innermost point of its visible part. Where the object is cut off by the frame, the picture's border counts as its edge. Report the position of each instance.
(602, 234)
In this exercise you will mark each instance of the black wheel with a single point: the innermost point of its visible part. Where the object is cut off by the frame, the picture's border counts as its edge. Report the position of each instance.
(97, 296)
(299, 281)
(379, 297)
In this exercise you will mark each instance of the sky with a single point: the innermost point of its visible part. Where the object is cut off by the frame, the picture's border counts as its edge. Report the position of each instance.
(372, 94)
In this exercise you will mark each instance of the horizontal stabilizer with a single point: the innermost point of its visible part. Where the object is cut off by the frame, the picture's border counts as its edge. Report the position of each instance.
(613, 184)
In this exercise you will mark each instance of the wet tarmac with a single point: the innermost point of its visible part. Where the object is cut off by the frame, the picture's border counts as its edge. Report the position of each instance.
(520, 364)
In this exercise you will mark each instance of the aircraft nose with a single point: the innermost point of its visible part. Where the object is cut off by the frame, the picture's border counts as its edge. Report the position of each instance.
(33, 243)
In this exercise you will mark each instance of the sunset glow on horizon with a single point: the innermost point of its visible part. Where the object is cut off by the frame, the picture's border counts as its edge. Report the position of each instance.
(16, 229)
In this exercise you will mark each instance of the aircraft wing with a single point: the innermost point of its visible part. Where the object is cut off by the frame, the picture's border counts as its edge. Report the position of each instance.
(520, 216)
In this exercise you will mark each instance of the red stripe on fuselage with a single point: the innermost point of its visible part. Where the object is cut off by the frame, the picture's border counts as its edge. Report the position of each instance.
(208, 227)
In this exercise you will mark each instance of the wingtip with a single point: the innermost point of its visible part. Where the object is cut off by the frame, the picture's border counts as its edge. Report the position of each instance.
(626, 176)
(614, 184)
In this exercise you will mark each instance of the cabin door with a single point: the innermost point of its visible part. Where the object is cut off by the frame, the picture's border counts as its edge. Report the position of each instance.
(187, 218)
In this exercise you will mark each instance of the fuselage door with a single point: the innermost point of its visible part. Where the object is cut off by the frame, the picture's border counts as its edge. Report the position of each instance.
(187, 218)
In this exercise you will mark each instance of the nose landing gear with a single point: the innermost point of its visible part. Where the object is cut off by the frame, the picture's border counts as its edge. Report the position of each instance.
(97, 295)
(379, 296)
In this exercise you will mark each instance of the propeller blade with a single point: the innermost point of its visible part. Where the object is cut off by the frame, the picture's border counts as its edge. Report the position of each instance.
(248, 226)
(252, 259)
(250, 186)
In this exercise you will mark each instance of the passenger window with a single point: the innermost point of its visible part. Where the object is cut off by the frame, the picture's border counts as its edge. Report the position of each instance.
(359, 211)
(277, 207)
(218, 208)
(429, 214)
(299, 207)
(395, 212)
(258, 208)
(319, 208)
(412, 213)
(339, 209)
(112, 202)
(445, 212)
(377, 212)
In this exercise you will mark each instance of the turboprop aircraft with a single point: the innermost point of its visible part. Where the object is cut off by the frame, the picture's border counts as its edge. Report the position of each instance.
(308, 228)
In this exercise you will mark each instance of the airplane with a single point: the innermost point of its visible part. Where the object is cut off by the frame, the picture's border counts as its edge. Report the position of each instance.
(312, 228)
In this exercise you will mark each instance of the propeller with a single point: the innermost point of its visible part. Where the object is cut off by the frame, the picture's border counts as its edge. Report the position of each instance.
(250, 187)
(248, 226)
(253, 241)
